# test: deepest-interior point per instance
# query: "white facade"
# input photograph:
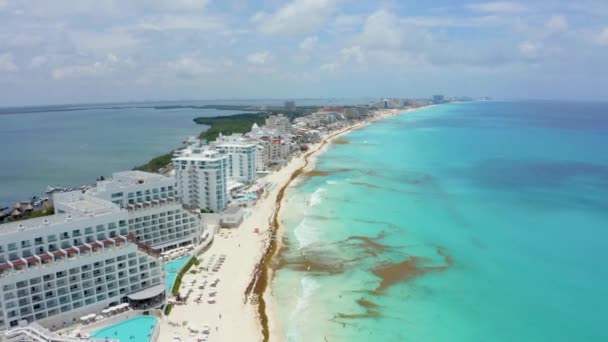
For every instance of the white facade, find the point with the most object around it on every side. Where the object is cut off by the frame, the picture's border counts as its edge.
(242, 160)
(156, 216)
(80, 260)
(279, 123)
(262, 157)
(202, 176)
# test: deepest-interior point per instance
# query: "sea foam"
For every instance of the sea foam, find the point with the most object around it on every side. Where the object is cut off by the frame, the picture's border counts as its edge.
(316, 197)
(306, 234)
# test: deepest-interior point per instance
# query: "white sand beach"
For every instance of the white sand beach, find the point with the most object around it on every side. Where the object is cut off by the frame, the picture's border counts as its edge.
(230, 318)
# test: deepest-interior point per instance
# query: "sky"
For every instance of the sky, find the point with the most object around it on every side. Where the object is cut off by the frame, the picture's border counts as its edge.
(79, 51)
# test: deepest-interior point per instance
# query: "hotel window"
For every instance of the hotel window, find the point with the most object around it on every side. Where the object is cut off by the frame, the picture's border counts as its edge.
(117, 194)
(100, 228)
(51, 238)
(88, 230)
(39, 241)
(12, 246)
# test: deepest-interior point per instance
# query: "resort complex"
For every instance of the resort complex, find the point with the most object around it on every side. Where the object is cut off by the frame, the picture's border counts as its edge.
(133, 257)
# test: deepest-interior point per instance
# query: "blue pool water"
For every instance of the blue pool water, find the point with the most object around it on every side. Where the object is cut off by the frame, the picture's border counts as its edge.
(172, 268)
(137, 329)
(467, 222)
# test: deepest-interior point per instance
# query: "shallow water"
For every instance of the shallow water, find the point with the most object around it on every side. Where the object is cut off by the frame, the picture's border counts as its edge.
(463, 222)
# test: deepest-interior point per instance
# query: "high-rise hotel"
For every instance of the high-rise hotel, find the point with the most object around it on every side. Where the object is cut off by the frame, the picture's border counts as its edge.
(155, 214)
(201, 175)
(57, 268)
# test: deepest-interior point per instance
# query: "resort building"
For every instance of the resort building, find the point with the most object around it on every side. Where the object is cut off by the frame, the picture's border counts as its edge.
(241, 160)
(80, 260)
(202, 176)
(156, 216)
(279, 123)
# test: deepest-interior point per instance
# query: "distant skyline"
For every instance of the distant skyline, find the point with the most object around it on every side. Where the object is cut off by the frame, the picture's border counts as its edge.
(87, 51)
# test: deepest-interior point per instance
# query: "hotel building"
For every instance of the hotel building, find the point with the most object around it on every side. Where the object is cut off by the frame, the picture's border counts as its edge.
(156, 216)
(57, 268)
(241, 160)
(202, 176)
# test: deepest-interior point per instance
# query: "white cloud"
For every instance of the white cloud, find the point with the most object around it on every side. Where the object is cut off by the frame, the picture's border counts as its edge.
(556, 24)
(296, 17)
(601, 38)
(38, 61)
(7, 63)
(329, 67)
(353, 53)
(346, 23)
(260, 58)
(192, 66)
(309, 43)
(497, 7)
(530, 50)
(104, 41)
(182, 22)
(381, 30)
(179, 4)
(97, 69)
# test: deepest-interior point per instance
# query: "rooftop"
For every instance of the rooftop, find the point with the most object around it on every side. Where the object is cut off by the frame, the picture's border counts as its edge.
(79, 207)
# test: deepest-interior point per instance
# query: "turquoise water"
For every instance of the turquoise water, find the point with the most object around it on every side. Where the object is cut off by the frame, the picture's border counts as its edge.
(172, 268)
(462, 222)
(137, 329)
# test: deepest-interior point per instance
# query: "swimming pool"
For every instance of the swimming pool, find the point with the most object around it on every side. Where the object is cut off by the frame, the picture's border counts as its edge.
(137, 329)
(172, 268)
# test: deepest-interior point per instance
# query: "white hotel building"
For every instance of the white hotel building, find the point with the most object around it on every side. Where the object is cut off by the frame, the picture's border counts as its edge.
(155, 215)
(242, 160)
(202, 176)
(57, 268)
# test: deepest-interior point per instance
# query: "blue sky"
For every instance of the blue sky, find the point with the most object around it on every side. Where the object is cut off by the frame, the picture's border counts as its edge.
(75, 51)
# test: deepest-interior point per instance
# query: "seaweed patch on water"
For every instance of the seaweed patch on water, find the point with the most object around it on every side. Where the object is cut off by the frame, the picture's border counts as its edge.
(370, 244)
(367, 185)
(341, 142)
(371, 311)
(407, 270)
(323, 173)
(376, 222)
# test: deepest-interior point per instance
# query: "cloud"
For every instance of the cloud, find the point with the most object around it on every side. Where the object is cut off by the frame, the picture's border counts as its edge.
(103, 42)
(38, 61)
(295, 18)
(181, 22)
(309, 43)
(259, 58)
(346, 23)
(7, 63)
(530, 50)
(329, 67)
(497, 7)
(96, 69)
(353, 53)
(190, 66)
(601, 38)
(556, 24)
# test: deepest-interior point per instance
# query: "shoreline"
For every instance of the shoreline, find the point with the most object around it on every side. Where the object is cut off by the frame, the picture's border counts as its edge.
(243, 308)
(267, 314)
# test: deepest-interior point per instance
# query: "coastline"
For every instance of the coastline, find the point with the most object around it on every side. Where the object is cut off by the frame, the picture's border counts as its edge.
(244, 304)
(269, 322)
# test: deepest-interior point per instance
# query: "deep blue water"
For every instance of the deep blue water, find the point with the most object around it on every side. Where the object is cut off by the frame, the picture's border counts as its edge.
(499, 209)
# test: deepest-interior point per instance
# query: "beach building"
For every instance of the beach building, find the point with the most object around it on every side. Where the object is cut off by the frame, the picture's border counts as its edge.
(241, 160)
(156, 215)
(279, 123)
(262, 157)
(78, 261)
(202, 176)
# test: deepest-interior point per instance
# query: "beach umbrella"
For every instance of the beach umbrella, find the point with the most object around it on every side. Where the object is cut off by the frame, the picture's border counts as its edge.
(17, 205)
(91, 316)
(16, 213)
(29, 207)
(84, 318)
(105, 311)
(98, 317)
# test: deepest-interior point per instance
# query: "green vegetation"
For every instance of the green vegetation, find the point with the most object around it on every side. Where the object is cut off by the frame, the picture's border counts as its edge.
(241, 123)
(33, 214)
(156, 164)
(228, 124)
(178, 279)
(238, 123)
(168, 309)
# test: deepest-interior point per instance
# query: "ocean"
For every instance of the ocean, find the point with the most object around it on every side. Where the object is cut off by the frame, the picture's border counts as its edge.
(72, 145)
(480, 221)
